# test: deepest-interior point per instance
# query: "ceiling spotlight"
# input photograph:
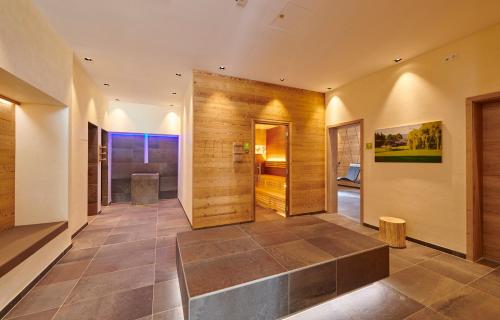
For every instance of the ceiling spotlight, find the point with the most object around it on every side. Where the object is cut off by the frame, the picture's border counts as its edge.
(117, 99)
(282, 79)
(178, 74)
(398, 60)
(222, 68)
(174, 92)
(88, 59)
(171, 105)
(107, 85)
(328, 88)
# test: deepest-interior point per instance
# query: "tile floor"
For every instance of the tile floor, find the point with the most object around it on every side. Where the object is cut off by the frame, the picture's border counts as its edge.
(349, 202)
(265, 214)
(122, 266)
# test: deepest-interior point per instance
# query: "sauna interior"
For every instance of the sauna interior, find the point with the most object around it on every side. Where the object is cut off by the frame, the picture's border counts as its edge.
(271, 171)
(249, 159)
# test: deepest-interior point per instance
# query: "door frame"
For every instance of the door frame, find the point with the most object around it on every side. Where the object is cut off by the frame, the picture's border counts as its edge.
(331, 166)
(288, 125)
(474, 148)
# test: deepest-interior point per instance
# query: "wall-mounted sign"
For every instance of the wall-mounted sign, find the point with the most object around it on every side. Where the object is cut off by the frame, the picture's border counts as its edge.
(238, 152)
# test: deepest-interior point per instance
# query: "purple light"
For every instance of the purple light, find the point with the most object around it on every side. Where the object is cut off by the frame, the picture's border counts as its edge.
(146, 148)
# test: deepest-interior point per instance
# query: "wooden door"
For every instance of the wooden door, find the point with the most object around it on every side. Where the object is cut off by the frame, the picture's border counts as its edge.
(491, 180)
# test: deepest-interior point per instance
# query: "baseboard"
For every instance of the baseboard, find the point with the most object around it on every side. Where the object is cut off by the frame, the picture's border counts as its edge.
(79, 230)
(18, 298)
(427, 244)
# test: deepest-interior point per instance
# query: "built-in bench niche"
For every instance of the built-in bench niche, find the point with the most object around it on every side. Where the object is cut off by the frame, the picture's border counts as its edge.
(24, 231)
(143, 153)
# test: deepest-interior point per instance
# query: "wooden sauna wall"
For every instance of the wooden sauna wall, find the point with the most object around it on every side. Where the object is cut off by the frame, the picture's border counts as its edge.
(223, 110)
(7, 165)
(348, 148)
(276, 149)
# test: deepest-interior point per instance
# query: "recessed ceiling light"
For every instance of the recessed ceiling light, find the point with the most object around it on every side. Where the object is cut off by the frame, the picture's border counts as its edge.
(282, 79)
(178, 74)
(88, 59)
(107, 84)
(398, 60)
(222, 68)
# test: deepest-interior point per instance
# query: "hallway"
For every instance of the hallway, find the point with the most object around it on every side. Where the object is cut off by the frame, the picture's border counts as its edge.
(122, 266)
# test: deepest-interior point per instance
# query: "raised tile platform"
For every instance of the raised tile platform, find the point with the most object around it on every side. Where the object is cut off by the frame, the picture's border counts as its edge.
(267, 270)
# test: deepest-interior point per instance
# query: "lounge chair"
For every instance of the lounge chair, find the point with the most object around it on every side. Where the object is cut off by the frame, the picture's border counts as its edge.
(352, 174)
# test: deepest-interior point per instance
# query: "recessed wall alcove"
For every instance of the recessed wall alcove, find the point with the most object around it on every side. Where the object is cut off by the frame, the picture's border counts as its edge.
(143, 153)
(33, 179)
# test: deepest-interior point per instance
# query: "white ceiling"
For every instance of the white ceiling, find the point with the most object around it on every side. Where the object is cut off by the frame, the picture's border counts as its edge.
(139, 45)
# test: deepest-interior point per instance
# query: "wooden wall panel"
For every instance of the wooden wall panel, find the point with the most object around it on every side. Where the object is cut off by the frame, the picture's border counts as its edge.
(223, 111)
(276, 143)
(348, 148)
(7, 165)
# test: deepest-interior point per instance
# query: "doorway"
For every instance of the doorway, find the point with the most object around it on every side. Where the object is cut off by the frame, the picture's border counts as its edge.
(345, 164)
(93, 172)
(483, 177)
(271, 170)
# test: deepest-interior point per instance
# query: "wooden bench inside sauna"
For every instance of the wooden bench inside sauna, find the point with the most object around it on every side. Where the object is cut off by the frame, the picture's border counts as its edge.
(270, 192)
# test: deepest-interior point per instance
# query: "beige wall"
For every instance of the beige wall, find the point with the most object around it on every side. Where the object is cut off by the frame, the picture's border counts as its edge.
(143, 118)
(41, 182)
(431, 197)
(32, 51)
(88, 105)
(185, 183)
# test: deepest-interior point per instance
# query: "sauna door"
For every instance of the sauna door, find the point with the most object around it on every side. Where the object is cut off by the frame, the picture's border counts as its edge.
(271, 170)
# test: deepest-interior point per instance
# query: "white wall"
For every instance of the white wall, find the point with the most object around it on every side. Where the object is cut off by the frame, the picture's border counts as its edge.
(185, 190)
(41, 164)
(430, 197)
(143, 118)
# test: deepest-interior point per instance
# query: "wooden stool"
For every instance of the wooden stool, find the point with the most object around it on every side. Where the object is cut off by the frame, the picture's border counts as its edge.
(392, 231)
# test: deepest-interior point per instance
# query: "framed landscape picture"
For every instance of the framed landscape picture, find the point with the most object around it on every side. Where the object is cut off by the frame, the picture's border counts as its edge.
(413, 143)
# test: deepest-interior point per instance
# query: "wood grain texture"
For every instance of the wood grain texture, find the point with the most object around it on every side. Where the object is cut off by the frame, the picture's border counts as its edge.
(7, 165)
(474, 173)
(223, 111)
(348, 148)
(392, 231)
(491, 180)
(270, 192)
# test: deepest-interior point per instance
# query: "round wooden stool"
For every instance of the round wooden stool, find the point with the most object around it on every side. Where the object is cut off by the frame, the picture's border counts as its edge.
(392, 231)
